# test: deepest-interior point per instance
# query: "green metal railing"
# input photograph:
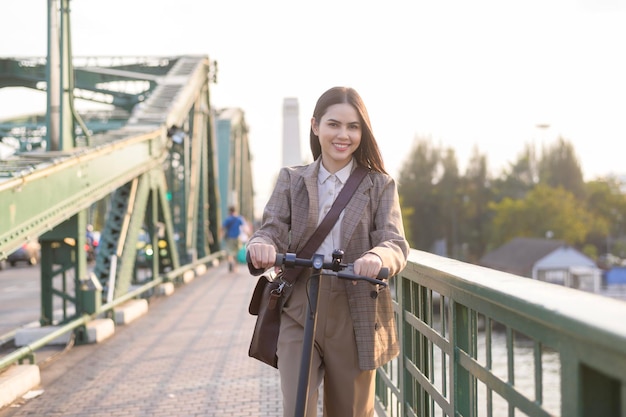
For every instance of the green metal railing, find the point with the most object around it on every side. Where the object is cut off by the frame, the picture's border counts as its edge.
(479, 342)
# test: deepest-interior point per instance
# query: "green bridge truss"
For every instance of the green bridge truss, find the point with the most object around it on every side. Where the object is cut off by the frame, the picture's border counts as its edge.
(146, 165)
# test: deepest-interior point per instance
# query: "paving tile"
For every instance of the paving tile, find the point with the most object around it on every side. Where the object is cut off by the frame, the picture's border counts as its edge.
(187, 357)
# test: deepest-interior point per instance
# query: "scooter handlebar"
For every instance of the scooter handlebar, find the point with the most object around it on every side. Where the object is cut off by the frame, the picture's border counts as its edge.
(342, 270)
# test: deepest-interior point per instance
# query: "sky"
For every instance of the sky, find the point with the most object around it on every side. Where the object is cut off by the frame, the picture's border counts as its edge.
(466, 75)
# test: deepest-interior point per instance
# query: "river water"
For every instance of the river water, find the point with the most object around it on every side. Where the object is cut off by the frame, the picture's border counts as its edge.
(523, 374)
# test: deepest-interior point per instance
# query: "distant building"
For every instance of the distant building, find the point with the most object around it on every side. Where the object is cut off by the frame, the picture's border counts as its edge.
(292, 155)
(234, 175)
(615, 276)
(615, 282)
(546, 260)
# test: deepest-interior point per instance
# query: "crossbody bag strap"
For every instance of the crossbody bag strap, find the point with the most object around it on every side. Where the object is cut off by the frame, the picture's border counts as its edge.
(329, 220)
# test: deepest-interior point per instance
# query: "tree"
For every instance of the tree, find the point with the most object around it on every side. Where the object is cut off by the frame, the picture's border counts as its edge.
(520, 178)
(407, 215)
(448, 200)
(546, 211)
(474, 203)
(417, 190)
(559, 167)
(607, 204)
(423, 186)
(473, 213)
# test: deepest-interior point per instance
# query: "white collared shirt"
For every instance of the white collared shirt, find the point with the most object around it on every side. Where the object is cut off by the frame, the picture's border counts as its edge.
(329, 185)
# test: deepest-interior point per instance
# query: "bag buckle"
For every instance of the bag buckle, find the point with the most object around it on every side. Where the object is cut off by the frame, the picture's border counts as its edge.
(278, 290)
(283, 282)
(275, 295)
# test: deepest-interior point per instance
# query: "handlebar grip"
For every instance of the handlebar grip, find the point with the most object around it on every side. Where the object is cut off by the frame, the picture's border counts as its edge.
(383, 273)
(256, 272)
(253, 271)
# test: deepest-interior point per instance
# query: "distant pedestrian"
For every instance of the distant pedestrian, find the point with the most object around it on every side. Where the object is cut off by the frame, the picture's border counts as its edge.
(231, 230)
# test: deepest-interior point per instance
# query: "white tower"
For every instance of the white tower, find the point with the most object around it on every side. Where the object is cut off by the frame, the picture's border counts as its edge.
(291, 132)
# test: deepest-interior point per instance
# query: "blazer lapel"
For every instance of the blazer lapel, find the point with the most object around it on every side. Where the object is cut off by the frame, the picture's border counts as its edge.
(305, 193)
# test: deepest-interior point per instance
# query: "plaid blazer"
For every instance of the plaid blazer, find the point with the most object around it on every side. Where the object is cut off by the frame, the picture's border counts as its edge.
(371, 222)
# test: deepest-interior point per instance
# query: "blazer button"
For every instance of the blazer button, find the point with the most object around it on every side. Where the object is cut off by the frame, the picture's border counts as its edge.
(374, 294)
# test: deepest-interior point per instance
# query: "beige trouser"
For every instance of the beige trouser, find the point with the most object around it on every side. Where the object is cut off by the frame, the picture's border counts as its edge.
(348, 391)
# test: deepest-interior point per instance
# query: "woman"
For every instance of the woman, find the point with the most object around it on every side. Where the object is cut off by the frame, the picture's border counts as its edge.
(355, 330)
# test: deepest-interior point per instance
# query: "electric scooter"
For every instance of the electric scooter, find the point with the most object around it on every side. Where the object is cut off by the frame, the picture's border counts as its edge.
(334, 268)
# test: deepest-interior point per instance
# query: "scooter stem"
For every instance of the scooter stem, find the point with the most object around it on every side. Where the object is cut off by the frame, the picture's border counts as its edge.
(308, 343)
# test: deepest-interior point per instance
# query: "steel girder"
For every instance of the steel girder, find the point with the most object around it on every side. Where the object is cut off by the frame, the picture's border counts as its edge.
(143, 176)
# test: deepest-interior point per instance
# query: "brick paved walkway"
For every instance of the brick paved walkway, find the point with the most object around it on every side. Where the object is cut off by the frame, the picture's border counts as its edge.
(186, 357)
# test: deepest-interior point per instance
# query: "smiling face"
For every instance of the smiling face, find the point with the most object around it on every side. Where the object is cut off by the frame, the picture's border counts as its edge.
(339, 133)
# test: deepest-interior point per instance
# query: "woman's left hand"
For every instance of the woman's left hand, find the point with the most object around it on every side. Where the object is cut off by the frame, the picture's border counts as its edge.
(368, 265)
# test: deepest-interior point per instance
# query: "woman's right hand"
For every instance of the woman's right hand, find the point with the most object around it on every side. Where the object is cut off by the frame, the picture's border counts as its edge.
(262, 255)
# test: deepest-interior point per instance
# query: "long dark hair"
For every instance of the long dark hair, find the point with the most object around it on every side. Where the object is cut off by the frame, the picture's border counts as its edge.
(367, 154)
